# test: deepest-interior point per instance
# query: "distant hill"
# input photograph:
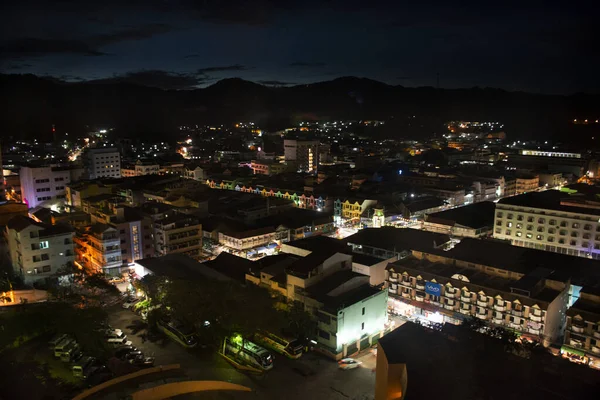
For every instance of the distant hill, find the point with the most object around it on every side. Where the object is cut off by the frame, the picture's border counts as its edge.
(31, 104)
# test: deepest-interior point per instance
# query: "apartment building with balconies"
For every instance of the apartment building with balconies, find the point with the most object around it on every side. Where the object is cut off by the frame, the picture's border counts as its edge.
(39, 251)
(562, 222)
(440, 292)
(582, 333)
(99, 249)
(178, 234)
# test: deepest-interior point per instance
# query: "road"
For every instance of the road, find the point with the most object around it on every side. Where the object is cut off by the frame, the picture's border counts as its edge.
(311, 377)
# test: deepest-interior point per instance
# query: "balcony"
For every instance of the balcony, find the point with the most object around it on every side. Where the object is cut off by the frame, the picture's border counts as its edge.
(535, 318)
(449, 307)
(595, 349)
(420, 286)
(419, 298)
(405, 283)
(498, 321)
(406, 295)
(534, 331)
(393, 280)
(465, 299)
(482, 316)
(597, 334)
(393, 291)
(465, 311)
(577, 328)
(517, 313)
(514, 326)
(499, 307)
(482, 303)
(449, 295)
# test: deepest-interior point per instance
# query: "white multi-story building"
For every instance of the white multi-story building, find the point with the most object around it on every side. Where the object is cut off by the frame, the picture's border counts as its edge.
(103, 162)
(551, 220)
(42, 184)
(301, 154)
(37, 250)
(178, 233)
(140, 168)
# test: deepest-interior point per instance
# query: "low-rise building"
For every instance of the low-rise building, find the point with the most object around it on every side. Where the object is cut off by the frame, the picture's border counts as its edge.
(178, 234)
(39, 251)
(473, 220)
(268, 167)
(582, 333)
(523, 289)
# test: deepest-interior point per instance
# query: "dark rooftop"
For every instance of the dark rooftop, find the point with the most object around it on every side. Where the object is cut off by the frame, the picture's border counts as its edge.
(324, 291)
(398, 239)
(179, 266)
(231, 265)
(503, 255)
(554, 200)
(364, 259)
(315, 243)
(477, 215)
(486, 371)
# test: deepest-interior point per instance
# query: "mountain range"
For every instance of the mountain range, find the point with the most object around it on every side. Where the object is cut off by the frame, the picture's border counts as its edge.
(32, 104)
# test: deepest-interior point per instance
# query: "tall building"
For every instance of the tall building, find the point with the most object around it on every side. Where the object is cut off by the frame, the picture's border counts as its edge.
(99, 249)
(39, 251)
(41, 184)
(103, 162)
(562, 222)
(302, 155)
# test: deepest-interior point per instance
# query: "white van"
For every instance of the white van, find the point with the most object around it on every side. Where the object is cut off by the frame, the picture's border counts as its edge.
(116, 342)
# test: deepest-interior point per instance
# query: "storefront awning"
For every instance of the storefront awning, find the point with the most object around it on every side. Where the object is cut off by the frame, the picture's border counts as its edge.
(571, 350)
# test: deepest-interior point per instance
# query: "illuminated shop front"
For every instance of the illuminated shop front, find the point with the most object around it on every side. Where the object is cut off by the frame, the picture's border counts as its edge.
(414, 310)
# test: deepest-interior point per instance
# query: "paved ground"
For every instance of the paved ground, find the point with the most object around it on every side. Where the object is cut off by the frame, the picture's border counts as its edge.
(311, 377)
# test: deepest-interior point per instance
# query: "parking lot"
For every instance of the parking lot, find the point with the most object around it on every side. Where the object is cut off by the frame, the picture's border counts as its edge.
(312, 376)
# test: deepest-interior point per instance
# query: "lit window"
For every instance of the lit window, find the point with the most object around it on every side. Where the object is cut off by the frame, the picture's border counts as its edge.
(44, 244)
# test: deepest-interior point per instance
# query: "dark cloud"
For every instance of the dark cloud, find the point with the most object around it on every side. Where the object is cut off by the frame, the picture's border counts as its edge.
(225, 68)
(36, 47)
(132, 33)
(26, 47)
(192, 56)
(20, 66)
(276, 83)
(159, 79)
(307, 64)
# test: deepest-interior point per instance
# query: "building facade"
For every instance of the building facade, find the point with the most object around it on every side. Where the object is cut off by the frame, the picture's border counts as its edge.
(550, 221)
(43, 184)
(99, 249)
(39, 251)
(582, 334)
(302, 155)
(103, 162)
(178, 234)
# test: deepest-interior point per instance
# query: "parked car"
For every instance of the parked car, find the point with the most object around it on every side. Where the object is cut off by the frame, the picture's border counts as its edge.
(142, 362)
(80, 366)
(349, 363)
(57, 339)
(124, 350)
(115, 334)
(130, 303)
(116, 279)
(119, 342)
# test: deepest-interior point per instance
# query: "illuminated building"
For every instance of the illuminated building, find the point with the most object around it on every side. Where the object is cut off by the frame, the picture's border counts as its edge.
(268, 167)
(582, 335)
(99, 249)
(523, 289)
(103, 162)
(39, 251)
(552, 220)
(301, 154)
(43, 184)
(178, 233)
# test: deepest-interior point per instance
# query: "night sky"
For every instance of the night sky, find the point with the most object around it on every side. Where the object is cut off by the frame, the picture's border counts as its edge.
(181, 44)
